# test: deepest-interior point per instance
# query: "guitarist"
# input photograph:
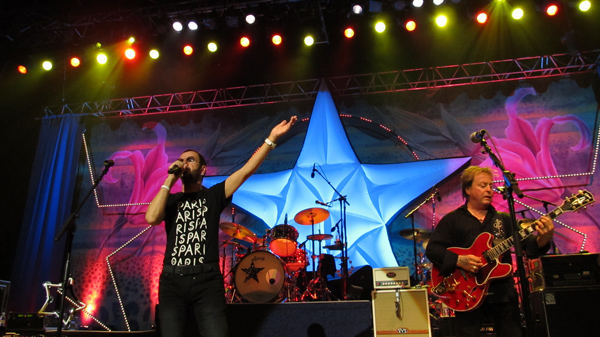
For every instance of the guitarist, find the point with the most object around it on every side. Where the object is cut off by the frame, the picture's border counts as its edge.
(460, 228)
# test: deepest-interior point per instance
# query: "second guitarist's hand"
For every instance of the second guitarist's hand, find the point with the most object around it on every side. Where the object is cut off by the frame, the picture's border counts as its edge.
(470, 263)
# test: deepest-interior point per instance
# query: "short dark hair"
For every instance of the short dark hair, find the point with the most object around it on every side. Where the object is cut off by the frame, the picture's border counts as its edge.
(202, 160)
(468, 175)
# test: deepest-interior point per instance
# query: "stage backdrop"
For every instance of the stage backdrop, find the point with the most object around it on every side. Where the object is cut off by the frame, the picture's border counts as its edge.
(387, 154)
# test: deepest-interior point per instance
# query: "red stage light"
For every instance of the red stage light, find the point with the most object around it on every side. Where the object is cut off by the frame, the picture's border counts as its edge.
(349, 32)
(411, 25)
(552, 10)
(244, 42)
(22, 69)
(75, 62)
(276, 39)
(188, 50)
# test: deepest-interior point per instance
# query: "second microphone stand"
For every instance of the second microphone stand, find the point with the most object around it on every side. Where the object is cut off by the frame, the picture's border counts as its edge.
(342, 230)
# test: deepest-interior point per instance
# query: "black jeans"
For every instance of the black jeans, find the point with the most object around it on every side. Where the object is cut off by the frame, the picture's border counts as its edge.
(506, 318)
(201, 294)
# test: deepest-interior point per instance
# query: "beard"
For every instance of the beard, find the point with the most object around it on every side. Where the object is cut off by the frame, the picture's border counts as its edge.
(188, 178)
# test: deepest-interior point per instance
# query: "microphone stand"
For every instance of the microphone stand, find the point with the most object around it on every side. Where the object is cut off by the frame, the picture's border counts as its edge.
(512, 186)
(69, 227)
(343, 235)
(411, 214)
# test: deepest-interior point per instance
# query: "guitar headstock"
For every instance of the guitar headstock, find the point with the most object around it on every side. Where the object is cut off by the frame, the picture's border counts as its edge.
(576, 201)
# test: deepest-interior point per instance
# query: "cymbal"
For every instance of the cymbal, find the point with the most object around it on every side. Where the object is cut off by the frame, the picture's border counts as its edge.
(311, 216)
(320, 237)
(337, 246)
(238, 231)
(419, 234)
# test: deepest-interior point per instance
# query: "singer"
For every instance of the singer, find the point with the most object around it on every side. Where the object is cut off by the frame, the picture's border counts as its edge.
(191, 281)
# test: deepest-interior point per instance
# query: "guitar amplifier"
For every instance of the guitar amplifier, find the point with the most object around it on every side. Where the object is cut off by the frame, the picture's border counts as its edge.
(568, 270)
(391, 278)
(401, 312)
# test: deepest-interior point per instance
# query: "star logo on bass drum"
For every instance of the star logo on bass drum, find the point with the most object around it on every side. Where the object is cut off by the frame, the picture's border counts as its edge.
(252, 272)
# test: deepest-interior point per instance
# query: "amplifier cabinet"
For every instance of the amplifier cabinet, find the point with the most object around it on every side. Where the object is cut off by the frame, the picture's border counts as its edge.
(566, 312)
(401, 312)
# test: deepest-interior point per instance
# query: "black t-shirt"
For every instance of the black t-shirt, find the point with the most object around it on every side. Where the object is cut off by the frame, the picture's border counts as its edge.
(192, 226)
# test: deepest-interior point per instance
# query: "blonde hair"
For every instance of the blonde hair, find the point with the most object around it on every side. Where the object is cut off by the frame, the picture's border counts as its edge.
(468, 175)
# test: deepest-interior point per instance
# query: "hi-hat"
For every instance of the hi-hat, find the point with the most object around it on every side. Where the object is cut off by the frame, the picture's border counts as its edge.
(337, 246)
(311, 216)
(320, 237)
(238, 231)
(418, 234)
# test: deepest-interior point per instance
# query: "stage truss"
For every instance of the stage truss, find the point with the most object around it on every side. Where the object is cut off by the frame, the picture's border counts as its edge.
(526, 68)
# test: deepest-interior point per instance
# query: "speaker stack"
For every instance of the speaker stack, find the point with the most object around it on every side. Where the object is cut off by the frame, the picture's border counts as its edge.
(397, 308)
(566, 293)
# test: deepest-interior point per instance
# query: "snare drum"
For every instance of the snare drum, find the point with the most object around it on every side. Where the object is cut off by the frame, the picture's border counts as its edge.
(259, 277)
(283, 240)
(297, 261)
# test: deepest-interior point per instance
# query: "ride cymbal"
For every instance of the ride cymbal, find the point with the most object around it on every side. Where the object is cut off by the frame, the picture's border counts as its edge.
(418, 234)
(311, 216)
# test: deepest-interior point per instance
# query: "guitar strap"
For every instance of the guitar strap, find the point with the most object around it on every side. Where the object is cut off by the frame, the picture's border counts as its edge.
(498, 228)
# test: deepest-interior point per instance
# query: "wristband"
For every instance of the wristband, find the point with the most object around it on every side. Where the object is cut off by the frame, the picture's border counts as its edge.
(166, 187)
(270, 143)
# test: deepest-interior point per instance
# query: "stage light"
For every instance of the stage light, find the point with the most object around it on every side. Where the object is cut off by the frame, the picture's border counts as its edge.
(417, 3)
(192, 25)
(212, 47)
(47, 65)
(75, 62)
(250, 19)
(101, 58)
(585, 6)
(438, 2)
(410, 25)
(276, 39)
(188, 50)
(309, 40)
(441, 20)
(22, 69)
(482, 17)
(349, 32)
(154, 54)
(552, 10)
(380, 27)
(177, 26)
(244, 42)
(517, 13)
(357, 9)
(130, 53)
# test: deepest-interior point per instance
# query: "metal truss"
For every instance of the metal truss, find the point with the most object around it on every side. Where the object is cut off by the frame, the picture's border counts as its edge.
(559, 65)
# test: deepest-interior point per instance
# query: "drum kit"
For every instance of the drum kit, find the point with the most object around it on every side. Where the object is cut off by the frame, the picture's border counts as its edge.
(274, 267)
(421, 237)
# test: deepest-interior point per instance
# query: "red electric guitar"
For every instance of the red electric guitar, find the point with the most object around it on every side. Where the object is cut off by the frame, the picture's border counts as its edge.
(465, 291)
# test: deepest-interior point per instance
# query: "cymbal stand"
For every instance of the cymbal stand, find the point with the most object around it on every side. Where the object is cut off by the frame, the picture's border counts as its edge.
(411, 214)
(343, 235)
(317, 287)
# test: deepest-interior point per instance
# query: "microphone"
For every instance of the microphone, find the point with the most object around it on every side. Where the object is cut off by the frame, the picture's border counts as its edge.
(477, 136)
(322, 203)
(109, 163)
(312, 174)
(174, 169)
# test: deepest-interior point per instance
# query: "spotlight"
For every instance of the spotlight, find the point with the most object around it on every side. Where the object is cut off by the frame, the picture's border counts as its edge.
(482, 17)
(131, 40)
(517, 13)
(192, 25)
(417, 3)
(250, 19)
(309, 40)
(188, 50)
(101, 58)
(441, 20)
(410, 25)
(552, 10)
(585, 6)
(380, 27)
(349, 32)
(438, 2)
(177, 26)
(154, 54)
(212, 47)
(130, 53)
(22, 69)
(357, 9)
(47, 65)
(276, 39)
(244, 42)
(75, 62)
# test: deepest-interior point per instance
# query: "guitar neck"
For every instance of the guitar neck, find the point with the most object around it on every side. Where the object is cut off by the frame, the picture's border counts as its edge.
(524, 233)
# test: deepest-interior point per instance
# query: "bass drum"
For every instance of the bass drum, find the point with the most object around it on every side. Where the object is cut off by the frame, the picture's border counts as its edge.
(259, 277)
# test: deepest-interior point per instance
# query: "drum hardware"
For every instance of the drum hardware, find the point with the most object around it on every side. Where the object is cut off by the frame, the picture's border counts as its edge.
(312, 216)
(336, 246)
(317, 287)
